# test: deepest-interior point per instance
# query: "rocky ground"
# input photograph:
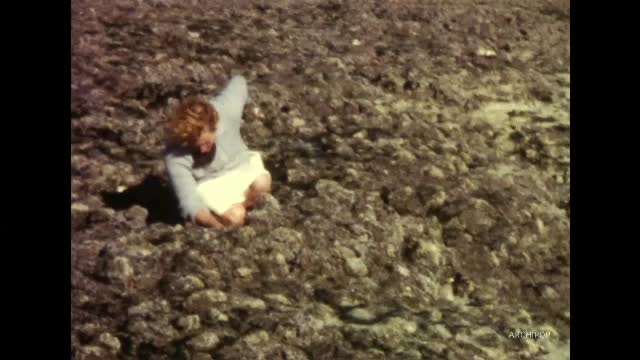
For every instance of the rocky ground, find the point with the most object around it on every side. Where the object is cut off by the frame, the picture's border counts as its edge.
(420, 155)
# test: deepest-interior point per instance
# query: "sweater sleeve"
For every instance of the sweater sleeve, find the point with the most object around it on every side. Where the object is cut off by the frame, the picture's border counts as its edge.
(233, 99)
(184, 185)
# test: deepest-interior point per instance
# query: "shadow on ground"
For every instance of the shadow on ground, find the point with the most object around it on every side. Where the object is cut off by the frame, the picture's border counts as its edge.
(154, 194)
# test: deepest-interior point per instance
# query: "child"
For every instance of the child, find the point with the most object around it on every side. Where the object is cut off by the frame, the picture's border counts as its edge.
(214, 175)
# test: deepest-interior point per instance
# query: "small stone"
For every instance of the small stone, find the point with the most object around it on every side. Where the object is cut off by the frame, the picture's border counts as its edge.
(120, 270)
(217, 315)
(201, 356)
(210, 276)
(403, 325)
(362, 314)
(486, 295)
(250, 303)
(121, 188)
(246, 233)
(446, 292)
(442, 331)
(79, 214)
(436, 173)
(257, 112)
(257, 338)
(403, 271)
(347, 301)
(279, 298)
(244, 271)
(280, 259)
(79, 207)
(357, 267)
(345, 252)
(203, 300)
(531, 154)
(485, 52)
(431, 251)
(109, 169)
(298, 122)
(540, 226)
(189, 322)
(194, 35)
(436, 315)
(109, 341)
(356, 42)
(438, 200)
(205, 341)
(90, 353)
(405, 155)
(550, 293)
(137, 212)
(149, 308)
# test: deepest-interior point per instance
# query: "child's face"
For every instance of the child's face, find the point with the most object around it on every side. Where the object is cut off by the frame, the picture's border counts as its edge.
(206, 141)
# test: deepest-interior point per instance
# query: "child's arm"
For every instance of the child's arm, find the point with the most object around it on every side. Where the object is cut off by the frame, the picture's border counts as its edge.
(184, 185)
(232, 100)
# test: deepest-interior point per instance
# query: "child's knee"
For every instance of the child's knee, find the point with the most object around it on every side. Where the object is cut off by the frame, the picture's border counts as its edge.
(236, 215)
(262, 184)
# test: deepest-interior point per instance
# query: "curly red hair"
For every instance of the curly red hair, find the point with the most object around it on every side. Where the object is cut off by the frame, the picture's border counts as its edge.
(189, 119)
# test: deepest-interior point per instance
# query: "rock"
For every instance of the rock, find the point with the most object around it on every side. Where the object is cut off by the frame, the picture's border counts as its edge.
(437, 200)
(301, 176)
(202, 301)
(79, 214)
(278, 298)
(446, 293)
(157, 332)
(189, 323)
(150, 308)
(485, 52)
(485, 294)
(247, 302)
(357, 266)
(347, 301)
(205, 341)
(137, 215)
(331, 190)
(201, 356)
(403, 271)
(91, 353)
(244, 272)
(436, 173)
(431, 252)
(101, 215)
(442, 332)
(393, 333)
(479, 217)
(216, 315)
(186, 284)
(256, 338)
(550, 293)
(362, 314)
(298, 122)
(345, 252)
(110, 342)
(405, 200)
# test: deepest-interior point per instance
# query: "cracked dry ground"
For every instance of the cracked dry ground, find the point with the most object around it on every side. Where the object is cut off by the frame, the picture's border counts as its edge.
(420, 154)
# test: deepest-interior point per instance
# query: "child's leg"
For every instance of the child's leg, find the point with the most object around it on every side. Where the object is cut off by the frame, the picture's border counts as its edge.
(234, 217)
(260, 186)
